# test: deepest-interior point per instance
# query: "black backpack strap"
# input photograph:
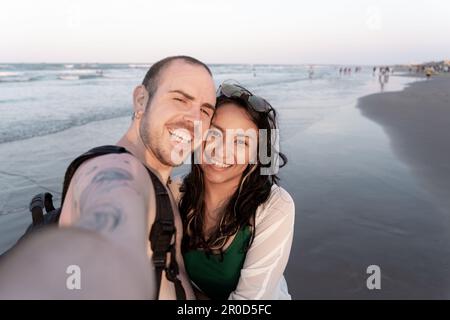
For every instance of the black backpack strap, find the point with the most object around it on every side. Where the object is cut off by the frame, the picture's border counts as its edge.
(161, 235)
(95, 152)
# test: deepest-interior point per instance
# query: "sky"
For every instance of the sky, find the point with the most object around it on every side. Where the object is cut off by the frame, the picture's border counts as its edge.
(232, 31)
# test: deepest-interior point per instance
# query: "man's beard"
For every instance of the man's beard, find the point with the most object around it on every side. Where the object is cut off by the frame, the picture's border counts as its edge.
(153, 143)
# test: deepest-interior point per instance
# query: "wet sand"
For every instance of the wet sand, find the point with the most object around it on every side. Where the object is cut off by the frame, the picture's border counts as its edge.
(418, 122)
(374, 192)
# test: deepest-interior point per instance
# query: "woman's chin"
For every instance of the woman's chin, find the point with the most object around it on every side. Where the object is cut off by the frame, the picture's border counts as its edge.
(216, 174)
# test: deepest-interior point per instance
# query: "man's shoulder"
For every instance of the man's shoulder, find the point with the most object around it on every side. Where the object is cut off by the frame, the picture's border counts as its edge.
(109, 167)
(110, 161)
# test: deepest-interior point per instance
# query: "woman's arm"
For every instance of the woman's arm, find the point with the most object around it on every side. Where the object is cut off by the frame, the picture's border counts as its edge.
(268, 255)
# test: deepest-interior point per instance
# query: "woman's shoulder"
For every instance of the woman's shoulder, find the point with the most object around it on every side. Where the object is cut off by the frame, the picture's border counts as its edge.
(279, 201)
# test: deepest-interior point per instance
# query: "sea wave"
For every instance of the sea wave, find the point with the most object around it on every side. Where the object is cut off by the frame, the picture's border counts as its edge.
(19, 79)
(80, 74)
(139, 66)
(8, 74)
(43, 127)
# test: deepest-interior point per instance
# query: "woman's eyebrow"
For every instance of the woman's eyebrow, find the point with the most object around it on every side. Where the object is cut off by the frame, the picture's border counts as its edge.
(217, 127)
(238, 134)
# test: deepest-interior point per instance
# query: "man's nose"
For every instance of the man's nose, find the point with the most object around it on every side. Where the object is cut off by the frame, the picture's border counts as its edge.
(193, 114)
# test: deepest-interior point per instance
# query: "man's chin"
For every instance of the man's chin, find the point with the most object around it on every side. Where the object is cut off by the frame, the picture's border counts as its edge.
(178, 157)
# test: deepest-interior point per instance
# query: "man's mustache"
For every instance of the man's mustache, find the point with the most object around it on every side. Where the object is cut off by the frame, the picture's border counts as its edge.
(188, 126)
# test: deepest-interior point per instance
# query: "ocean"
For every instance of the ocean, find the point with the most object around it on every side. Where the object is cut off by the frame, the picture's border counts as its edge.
(40, 99)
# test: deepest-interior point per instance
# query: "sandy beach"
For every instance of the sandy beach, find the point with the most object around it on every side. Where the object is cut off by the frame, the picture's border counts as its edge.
(371, 185)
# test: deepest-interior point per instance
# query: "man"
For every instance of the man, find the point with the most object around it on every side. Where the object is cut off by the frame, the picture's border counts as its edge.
(109, 207)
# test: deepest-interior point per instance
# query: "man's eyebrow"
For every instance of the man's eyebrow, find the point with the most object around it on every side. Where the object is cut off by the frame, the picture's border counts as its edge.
(189, 97)
(209, 106)
(186, 95)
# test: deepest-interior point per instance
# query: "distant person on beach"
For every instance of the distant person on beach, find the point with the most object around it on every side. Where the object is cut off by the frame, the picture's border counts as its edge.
(310, 72)
(109, 207)
(386, 73)
(382, 77)
(238, 222)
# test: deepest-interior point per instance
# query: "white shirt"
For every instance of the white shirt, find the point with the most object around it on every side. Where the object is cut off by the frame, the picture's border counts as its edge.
(266, 259)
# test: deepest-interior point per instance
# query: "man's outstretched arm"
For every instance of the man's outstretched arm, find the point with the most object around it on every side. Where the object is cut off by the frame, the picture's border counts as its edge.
(104, 232)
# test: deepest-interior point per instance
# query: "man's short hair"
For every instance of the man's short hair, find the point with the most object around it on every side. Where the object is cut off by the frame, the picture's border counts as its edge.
(153, 75)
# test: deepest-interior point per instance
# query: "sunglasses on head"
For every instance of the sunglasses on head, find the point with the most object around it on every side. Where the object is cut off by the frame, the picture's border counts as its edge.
(235, 91)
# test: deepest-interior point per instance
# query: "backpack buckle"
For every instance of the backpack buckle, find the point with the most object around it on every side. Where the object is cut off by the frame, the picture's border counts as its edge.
(159, 260)
(167, 226)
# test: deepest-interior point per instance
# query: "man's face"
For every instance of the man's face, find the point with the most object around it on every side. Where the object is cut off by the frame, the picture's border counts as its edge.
(185, 95)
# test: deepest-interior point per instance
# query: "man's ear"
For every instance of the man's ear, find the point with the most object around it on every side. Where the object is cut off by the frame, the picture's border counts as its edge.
(140, 97)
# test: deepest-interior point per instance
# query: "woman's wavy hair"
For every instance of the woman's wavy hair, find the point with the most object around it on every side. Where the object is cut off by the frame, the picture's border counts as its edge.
(240, 209)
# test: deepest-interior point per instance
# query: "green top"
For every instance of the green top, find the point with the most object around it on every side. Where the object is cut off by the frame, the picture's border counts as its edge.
(215, 277)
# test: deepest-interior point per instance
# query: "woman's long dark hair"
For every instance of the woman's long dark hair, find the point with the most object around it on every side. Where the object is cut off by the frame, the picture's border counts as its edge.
(240, 209)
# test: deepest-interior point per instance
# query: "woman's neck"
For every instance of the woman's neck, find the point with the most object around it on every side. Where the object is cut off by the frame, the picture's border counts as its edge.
(216, 194)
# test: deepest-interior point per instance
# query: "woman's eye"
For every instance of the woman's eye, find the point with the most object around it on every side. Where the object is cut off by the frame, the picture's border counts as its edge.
(213, 133)
(241, 142)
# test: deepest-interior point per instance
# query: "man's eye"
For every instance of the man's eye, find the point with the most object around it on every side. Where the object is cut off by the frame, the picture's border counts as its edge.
(206, 112)
(178, 99)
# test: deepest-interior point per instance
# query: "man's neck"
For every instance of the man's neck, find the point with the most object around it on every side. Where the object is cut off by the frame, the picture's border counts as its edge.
(147, 157)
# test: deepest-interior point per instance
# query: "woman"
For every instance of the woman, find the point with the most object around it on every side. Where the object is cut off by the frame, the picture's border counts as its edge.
(238, 223)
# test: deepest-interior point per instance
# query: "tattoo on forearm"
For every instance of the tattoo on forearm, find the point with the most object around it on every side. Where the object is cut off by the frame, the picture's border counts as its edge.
(112, 174)
(104, 217)
(95, 212)
(109, 179)
(91, 170)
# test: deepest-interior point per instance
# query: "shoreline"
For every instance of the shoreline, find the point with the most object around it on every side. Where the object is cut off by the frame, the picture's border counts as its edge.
(417, 120)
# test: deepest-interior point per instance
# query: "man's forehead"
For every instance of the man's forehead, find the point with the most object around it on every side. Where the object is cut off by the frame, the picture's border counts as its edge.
(192, 79)
(182, 70)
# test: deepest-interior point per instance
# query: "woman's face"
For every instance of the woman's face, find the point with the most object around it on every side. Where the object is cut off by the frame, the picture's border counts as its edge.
(231, 145)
